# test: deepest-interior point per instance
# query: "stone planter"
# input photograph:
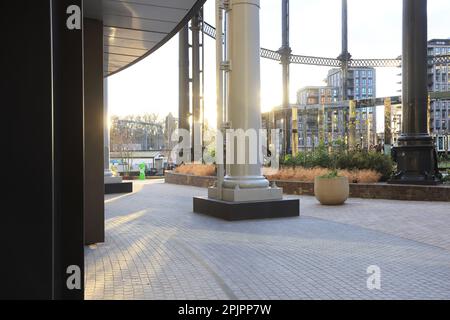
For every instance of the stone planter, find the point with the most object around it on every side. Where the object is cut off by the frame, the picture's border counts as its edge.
(331, 191)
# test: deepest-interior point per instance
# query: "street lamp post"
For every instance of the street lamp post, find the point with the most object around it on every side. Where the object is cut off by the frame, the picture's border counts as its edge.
(415, 154)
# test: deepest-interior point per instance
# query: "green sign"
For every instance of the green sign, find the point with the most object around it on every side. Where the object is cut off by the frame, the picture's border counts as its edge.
(142, 171)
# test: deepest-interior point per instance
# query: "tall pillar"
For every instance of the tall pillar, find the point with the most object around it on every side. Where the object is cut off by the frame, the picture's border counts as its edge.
(183, 79)
(42, 83)
(352, 125)
(244, 81)
(94, 126)
(294, 143)
(345, 55)
(106, 133)
(219, 95)
(387, 125)
(196, 152)
(285, 52)
(415, 155)
(246, 194)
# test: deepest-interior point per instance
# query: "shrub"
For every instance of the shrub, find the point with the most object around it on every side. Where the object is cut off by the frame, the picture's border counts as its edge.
(446, 178)
(366, 160)
(361, 176)
(308, 174)
(342, 159)
(331, 175)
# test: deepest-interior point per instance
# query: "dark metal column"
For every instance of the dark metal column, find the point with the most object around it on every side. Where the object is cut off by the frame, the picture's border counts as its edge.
(196, 103)
(26, 85)
(42, 85)
(68, 135)
(94, 231)
(345, 55)
(285, 52)
(415, 155)
(183, 100)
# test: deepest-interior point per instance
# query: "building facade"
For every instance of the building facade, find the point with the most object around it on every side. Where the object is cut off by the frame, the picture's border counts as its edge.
(439, 81)
(324, 116)
(361, 83)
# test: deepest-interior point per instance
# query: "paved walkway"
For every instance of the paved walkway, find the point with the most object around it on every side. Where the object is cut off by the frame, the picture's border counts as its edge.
(156, 248)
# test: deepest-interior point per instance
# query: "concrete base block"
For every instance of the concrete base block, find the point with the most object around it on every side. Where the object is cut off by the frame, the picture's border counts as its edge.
(247, 195)
(121, 187)
(112, 179)
(233, 211)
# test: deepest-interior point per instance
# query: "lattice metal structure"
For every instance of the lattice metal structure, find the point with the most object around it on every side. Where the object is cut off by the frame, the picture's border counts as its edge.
(275, 55)
(375, 63)
(441, 59)
(270, 54)
(209, 30)
(316, 61)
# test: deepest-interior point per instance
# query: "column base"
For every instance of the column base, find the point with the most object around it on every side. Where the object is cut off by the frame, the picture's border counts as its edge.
(234, 211)
(416, 163)
(247, 195)
(123, 187)
(112, 179)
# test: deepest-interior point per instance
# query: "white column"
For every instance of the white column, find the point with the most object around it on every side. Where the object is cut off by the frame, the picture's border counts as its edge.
(106, 138)
(244, 182)
(219, 94)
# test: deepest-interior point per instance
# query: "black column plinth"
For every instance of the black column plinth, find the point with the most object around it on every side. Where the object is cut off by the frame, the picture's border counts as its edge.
(416, 162)
(234, 211)
(116, 188)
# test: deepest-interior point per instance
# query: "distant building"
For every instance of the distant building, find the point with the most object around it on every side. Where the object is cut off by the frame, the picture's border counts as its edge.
(439, 81)
(361, 83)
(317, 95)
(316, 111)
(322, 115)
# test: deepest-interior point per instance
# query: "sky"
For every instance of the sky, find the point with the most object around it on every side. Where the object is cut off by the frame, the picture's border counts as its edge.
(375, 30)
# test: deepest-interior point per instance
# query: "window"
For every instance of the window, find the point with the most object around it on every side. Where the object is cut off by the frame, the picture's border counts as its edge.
(357, 73)
(364, 82)
(363, 73)
(363, 91)
(369, 74)
(370, 82)
(370, 91)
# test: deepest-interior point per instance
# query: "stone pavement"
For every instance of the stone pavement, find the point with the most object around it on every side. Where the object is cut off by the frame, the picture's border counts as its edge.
(157, 248)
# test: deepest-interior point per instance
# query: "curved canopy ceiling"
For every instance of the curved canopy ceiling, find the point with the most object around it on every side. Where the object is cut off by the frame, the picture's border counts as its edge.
(133, 29)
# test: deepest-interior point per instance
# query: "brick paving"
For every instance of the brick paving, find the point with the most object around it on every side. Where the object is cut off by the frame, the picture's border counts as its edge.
(157, 248)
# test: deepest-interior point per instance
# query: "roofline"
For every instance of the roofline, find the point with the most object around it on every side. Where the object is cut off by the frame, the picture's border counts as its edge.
(447, 41)
(169, 36)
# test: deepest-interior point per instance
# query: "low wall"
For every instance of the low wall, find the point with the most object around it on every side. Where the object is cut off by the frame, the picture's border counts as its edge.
(357, 190)
(189, 180)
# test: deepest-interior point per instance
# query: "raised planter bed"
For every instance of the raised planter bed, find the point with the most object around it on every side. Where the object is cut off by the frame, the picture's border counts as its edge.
(357, 190)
